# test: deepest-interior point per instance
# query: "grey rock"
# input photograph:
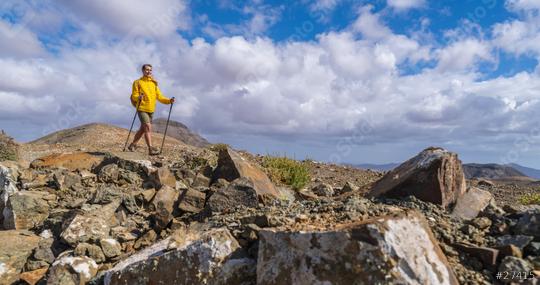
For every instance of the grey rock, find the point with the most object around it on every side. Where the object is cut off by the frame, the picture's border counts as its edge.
(191, 200)
(471, 203)
(163, 206)
(529, 223)
(111, 247)
(239, 192)
(323, 189)
(513, 265)
(90, 250)
(27, 209)
(520, 241)
(397, 249)
(72, 270)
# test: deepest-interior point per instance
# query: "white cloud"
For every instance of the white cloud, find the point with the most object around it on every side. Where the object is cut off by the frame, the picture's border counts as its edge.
(17, 41)
(406, 4)
(154, 18)
(463, 55)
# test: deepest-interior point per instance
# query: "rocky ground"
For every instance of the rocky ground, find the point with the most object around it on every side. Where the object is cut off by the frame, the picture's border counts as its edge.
(76, 210)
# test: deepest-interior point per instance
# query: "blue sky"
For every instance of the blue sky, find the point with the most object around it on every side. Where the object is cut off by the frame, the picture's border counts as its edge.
(332, 80)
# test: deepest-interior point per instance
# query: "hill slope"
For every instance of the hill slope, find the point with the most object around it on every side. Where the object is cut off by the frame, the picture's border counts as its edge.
(531, 172)
(492, 171)
(180, 132)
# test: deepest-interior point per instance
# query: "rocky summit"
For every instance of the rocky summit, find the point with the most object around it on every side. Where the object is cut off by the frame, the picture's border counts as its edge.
(80, 211)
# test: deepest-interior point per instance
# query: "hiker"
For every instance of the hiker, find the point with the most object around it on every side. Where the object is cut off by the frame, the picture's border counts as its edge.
(144, 94)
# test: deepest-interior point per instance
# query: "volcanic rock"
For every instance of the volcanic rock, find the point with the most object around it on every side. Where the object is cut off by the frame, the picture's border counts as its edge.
(435, 175)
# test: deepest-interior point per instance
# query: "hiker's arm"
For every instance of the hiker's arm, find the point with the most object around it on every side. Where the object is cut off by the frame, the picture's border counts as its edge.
(162, 98)
(135, 92)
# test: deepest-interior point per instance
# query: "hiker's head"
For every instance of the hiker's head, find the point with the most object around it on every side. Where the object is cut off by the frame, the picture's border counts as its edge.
(146, 69)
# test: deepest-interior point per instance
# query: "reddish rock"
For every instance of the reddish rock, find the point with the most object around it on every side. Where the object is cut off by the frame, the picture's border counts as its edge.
(71, 161)
(488, 256)
(33, 277)
(232, 165)
(398, 249)
(435, 175)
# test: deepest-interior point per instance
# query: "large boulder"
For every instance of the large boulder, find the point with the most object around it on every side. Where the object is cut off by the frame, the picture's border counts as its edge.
(70, 161)
(398, 249)
(189, 257)
(471, 203)
(232, 165)
(27, 210)
(90, 226)
(435, 175)
(15, 248)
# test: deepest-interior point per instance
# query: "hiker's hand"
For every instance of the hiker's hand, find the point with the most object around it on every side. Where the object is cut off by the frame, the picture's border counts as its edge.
(172, 100)
(141, 97)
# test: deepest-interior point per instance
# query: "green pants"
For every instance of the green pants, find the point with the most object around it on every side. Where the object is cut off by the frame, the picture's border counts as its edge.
(145, 117)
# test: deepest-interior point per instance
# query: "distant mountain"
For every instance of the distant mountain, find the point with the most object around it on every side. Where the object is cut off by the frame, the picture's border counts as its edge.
(180, 132)
(492, 171)
(379, 167)
(531, 172)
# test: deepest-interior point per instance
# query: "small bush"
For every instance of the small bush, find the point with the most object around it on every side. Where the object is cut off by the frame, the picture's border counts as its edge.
(8, 148)
(530, 199)
(218, 146)
(287, 171)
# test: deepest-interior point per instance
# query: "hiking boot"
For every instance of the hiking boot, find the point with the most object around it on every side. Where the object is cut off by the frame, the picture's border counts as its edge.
(132, 147)
(153, 151)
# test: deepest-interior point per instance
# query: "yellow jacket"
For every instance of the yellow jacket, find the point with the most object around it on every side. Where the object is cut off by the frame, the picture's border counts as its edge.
(149, 87)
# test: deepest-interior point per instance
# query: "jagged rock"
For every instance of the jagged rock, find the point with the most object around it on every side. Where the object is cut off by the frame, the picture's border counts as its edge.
(509, 250)
(64, 180)
(109, 173)
(471, 203)
(520, 241)
(147, 195)
(394, 249)
(533, 249)
(34, 276)
(163, 205)
(191, 201)
(239, 192)
(27, 210)
(201, 180)
(72, 270)
(513, 265)
(529, 223)
(15, 248)
(163, 176)
(145, 240)
(435, 175)
(481, 223)
(488, 256)
(44, 251)
(90, 250)
(190, 258)
(232, 166)
(349, 187)
(89, 226)
(70, 161)
(111, 247)
(106, 194)
(323, 189)
(7, 188)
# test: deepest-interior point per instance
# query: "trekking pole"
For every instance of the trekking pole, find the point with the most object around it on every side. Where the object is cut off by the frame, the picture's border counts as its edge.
(166, 127)
(132, 123)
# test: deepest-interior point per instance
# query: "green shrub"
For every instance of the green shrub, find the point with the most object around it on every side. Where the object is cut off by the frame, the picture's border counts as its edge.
(530, 199)
(287, 171)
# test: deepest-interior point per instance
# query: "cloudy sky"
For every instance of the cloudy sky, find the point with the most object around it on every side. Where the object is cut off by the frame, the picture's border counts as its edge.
(332, 80)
